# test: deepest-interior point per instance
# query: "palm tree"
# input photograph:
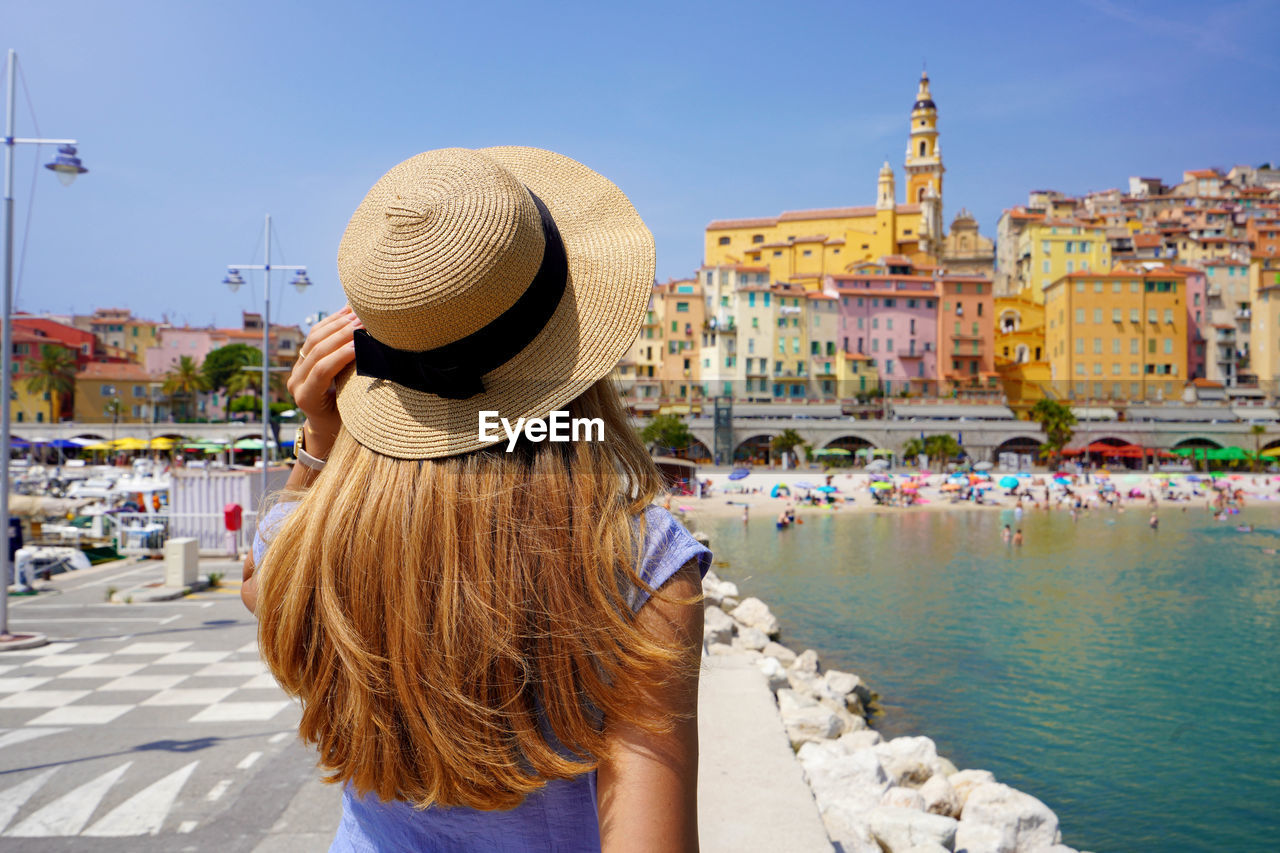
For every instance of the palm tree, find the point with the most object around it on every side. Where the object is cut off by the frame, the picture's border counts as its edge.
(786, 441)
(941, 448)
(184, 381)
(1056, 421)
(54, 372)
(1258, 430)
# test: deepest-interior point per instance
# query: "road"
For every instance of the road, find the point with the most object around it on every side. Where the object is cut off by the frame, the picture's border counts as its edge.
(150, 726)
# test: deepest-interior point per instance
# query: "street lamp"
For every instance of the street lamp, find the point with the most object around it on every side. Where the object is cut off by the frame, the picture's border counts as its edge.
(234, 281)
(67, 167)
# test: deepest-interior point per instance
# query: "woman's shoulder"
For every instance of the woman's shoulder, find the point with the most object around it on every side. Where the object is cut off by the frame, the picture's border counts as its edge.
(667, 547)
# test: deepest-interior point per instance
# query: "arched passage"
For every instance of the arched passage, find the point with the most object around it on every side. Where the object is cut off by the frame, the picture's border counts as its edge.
(1010, 320)
(755, 450)
(1201, 441)
(851, 444)
(1019, 452)
(694, 451)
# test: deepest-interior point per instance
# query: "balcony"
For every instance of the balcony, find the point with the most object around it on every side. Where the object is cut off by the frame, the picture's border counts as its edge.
(713, 325)
(1243, 313)
(963, 337)
(910, 354)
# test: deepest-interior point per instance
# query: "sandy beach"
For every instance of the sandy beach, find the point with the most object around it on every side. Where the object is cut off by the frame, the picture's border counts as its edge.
(728, 498)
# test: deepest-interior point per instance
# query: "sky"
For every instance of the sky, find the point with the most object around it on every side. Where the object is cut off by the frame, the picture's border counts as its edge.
(196, 119)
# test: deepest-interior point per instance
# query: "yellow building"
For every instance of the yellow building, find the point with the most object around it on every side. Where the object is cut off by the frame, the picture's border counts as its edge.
(99, 383)
(856, 375)
(1020, 351)
(1264, 287)
(1051, 248)
(805, 245)
(1120, 335)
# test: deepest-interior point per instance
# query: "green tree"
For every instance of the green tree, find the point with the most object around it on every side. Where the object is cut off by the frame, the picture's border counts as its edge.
(1056, 422)
(54, 372)
(786, 441)
(914, 449)
(1257, 430)
(941, 448)
(221, 364)
(183, 382)
(666, 433)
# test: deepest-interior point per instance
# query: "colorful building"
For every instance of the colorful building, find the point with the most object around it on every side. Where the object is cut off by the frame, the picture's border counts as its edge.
(824, 332)
(1051, 248)
(681, 309)
(805, 246)
(893, 321)
(966, 335)
(138, 393)
(1019, 345)
(1119, 335)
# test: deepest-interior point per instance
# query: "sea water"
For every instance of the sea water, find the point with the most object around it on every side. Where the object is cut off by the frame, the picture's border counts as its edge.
(1127, 677)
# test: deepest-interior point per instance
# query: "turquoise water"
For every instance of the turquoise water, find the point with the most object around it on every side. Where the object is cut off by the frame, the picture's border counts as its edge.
(1128, 678)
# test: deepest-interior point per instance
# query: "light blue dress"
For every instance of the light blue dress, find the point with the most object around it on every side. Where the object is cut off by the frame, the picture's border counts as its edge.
(562, 815)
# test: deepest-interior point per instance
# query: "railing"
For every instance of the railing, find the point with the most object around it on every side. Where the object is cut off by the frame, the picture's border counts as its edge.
(207, 528)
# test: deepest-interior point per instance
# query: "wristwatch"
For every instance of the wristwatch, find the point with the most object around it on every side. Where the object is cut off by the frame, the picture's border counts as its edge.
(300, 452)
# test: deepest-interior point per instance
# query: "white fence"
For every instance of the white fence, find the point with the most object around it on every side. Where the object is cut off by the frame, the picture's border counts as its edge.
(207, 528)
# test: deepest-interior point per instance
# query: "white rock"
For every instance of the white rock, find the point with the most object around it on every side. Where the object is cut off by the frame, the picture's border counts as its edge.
(790, 700)
(728, 589)
(818, 751)
(751, 639)
(855, 740)
(848, 721)
(730, 601)
(754, 613)
(804, 682)
(1029, 823)
(807, 662)
(966, 780)
(926, 847)
(847, 827)
(721, 649)
(901, 829)
(841, 683)
(903, 798)
(943, 767)
(806, 724)
(908, 760)
(856, 780)
(785, 656)
(717, 627)
(981, 838)
(773, 672)
(939, 797)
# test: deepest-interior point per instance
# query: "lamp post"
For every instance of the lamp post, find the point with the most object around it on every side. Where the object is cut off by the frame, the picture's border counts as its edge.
(67, 167)
(234, 281)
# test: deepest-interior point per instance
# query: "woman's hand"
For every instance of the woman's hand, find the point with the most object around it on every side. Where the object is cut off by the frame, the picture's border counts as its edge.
(326, 351)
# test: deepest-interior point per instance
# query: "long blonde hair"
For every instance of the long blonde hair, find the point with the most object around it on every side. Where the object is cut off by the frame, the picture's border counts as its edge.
(456, 628)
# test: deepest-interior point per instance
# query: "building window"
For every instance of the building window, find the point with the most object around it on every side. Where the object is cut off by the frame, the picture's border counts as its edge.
(757, 238)
(724, 241)
(1079, 315)
(777, 253)
(1168, 315)
(682, 307)
(1097, 346)
(1168, 346)
(1079, 346)
(1097, 315)
(1133, 346)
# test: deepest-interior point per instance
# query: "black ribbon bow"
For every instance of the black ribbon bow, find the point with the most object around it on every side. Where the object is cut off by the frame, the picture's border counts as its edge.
(454, 371)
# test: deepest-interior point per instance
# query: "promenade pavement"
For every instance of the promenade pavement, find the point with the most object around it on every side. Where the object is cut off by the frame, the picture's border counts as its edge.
(155, 727)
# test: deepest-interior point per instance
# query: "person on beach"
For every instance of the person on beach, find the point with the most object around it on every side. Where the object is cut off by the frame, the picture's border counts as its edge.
(746, 513)
(1006, 535)
(1017, 538)
(1154, 521)
(495, 641)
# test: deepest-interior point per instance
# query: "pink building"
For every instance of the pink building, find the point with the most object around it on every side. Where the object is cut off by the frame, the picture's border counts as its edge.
(1197, 320)
(893, 320)
(177, 342)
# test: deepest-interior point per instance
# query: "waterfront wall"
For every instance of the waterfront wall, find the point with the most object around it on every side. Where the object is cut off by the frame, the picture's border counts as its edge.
(874, 795)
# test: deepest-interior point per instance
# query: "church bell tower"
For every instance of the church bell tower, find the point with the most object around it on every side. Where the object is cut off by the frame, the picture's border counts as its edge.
(924, 156)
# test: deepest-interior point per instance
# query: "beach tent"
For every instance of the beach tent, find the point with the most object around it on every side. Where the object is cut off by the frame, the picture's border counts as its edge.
(831, 451)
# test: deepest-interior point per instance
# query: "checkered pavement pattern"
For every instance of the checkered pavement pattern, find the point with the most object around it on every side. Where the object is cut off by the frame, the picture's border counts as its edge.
(61, 684)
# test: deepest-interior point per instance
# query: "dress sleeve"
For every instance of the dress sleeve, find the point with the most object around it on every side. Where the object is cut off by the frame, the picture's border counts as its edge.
(268, 527)
(667, 547)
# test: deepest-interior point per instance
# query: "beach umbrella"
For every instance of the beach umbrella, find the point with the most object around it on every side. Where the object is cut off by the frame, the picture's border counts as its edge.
(739, 473)
(805, 484)
(950, 487)
(1061, 481)
(14, 441)
(163, 443)
(1023, 475)
(99, 445)
(983, 486)
(1195, 478)
(1009, 482)
(248, 444)
(831, 451)
(875, 487)
(829, 489)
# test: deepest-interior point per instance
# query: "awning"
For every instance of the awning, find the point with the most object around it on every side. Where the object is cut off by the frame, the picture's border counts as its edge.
(1094, 413)
(952, 412)
(781, 410)
(1256, 414)
(1202, 414)
(1242, 391)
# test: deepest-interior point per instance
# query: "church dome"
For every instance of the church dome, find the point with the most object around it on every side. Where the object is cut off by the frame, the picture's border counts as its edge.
(926, 104)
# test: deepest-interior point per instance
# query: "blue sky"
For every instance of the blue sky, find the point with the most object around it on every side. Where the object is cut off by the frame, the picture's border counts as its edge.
(197, 118)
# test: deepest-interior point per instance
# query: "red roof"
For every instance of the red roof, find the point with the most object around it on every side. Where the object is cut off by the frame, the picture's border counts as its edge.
(759, 222)
(129, 371)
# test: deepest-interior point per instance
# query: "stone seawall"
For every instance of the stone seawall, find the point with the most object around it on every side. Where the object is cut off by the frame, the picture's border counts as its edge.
(874, 795)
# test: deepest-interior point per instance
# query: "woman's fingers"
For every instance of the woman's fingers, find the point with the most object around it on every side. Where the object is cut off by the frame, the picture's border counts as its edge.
(314, 391)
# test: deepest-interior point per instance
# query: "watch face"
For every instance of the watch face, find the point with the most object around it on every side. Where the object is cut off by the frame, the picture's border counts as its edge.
(297, 442)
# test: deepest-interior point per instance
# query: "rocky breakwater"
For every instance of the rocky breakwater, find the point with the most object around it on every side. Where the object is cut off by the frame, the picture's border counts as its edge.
(875, 795)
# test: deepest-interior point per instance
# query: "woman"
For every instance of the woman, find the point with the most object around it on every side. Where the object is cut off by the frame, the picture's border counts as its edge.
(494, 637)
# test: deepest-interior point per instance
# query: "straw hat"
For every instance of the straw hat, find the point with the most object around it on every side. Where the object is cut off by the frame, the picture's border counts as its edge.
(453, 264)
